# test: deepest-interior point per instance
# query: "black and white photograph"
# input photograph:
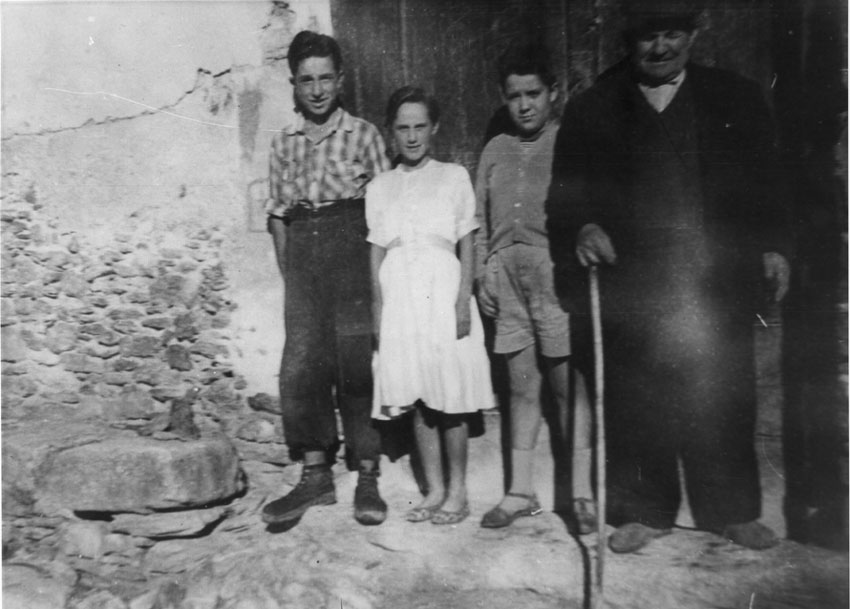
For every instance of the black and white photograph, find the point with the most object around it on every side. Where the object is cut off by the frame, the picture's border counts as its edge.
(424, 304)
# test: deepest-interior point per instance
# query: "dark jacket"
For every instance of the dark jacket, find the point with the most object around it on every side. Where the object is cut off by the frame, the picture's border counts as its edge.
(744, 210)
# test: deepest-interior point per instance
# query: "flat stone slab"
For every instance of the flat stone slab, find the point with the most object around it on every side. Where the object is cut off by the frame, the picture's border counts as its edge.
(136, 474)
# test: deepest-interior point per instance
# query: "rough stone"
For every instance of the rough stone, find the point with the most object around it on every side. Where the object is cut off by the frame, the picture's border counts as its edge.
(45, 358)
(184, 523)
(263, 402)
(73, 284)
(97, 350)
(140, 474)
(126, 271)
(84, 539)
(257, 430)
(157, 323)
(169, 289)
(168, 392)
(26, 270)
(95, 271)
(138, 297)
(12, 346)
(132, 403)
(62, 397)
(125, 326)
(221, 392)
(61, 337)
(25, 306)
(122, 364)
(33, 340)
(179, 555)
(178, 357)
(208, 349)
(118, 543)
(110, 338)
(7, 311)
(116, 378)
(78, 362)
(185, 327)
(30, 587)
(125, 313)
(140, 346)
(93, 329)
(102, 599)
(155, 373)
(20, 385)
(275, 453)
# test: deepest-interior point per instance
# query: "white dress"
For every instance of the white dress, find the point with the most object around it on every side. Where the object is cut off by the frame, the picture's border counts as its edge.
(419, 216)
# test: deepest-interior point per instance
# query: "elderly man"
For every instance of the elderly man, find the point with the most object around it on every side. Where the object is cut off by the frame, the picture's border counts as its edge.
(664, 174)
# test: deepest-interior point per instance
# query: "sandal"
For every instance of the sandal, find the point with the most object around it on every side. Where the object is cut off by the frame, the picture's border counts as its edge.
(421, 514)
(498, 518)
(442, 516)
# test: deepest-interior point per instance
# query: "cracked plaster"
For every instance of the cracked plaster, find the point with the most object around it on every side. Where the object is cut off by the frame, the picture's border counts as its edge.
(154, 116)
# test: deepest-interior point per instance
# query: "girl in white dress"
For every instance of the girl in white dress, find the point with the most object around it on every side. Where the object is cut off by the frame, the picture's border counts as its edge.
(431, 355)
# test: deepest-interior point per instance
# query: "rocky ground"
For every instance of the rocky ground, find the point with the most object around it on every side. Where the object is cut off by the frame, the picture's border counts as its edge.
(328, 561)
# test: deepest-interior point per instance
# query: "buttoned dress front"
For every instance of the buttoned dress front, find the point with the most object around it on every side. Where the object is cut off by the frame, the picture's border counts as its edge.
(419, 216)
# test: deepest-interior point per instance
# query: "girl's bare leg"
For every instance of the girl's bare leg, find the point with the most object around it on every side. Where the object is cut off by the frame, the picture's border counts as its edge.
(428, 445)
(456, 438)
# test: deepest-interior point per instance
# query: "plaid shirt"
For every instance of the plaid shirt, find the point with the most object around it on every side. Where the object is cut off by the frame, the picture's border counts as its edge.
(318, 173)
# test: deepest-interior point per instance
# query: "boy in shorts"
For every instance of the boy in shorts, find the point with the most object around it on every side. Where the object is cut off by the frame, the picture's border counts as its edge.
(515, 283)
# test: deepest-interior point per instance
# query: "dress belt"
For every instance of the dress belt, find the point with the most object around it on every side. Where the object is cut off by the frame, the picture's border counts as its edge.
(425, 239)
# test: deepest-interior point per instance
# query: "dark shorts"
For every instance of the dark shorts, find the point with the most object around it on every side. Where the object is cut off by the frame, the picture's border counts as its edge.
(519, 279)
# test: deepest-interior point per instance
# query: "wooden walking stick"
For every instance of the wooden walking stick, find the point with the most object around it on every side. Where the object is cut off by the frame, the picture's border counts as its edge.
(599, 414)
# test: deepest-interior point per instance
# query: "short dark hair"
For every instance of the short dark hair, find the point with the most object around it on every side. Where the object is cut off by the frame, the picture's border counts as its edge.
(308, 44)
(523, 58)
(412, 95)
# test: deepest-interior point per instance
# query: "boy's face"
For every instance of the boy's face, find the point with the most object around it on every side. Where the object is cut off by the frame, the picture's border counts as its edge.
(530, 102)
(317, 87)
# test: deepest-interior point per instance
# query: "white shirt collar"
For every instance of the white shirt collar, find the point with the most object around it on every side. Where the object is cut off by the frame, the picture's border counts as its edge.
(660, 97)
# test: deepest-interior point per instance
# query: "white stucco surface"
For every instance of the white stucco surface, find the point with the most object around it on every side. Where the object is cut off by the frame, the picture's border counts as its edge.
(153, 118)
(64, 63)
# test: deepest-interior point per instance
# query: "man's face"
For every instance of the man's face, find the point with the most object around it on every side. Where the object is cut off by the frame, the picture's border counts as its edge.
(529, 102)
(660, 56)
(317, 87)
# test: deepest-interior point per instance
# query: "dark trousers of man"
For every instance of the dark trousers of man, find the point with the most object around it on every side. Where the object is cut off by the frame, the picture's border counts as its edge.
(680, 384)
(328, 352)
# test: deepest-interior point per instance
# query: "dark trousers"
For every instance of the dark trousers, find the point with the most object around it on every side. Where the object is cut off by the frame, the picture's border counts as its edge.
(328, 351)
(674, 391)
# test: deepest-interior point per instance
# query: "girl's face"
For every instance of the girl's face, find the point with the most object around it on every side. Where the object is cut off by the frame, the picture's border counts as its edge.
(412, 131)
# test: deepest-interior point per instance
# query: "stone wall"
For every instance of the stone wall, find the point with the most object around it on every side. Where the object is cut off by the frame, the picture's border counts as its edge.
(148, 118)
(135, 275)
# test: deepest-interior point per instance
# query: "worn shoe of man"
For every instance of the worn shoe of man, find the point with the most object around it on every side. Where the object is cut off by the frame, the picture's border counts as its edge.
(753, 535)
(633, 536)
(316, 487)
(369, 508)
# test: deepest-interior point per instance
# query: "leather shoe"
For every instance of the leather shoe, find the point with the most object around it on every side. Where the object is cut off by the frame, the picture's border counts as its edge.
(316, 487)
(753, 535)
(369, 508)
(633, 536)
